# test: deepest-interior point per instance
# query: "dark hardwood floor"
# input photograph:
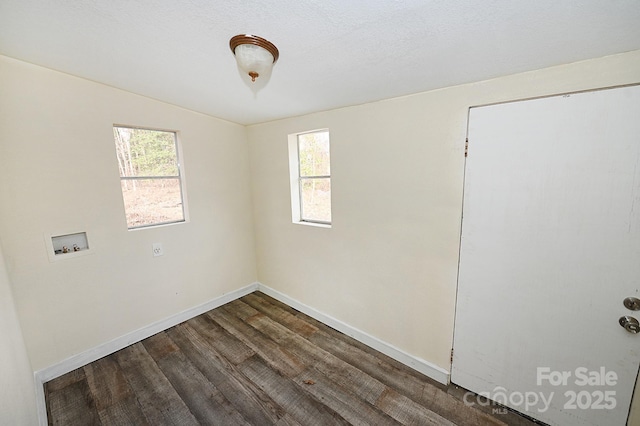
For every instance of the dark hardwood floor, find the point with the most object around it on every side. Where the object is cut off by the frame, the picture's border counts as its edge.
(256, 361)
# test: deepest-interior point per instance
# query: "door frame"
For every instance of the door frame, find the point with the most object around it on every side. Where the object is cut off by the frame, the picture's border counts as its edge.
(633, 416)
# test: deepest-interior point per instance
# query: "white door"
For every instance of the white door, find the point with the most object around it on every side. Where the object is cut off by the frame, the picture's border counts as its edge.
(550, 249)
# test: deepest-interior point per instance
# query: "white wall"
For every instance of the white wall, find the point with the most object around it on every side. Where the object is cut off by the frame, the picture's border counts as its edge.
(17, 393)
(388, 265)
(60, 175)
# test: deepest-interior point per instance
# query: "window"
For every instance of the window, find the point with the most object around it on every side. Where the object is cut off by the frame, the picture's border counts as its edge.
(309, 165)
(149, 176)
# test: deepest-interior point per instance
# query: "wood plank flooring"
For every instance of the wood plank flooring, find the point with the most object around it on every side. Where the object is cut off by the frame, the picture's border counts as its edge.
(257, 361)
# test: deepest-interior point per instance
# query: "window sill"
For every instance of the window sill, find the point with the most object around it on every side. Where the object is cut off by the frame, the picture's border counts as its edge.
(314, 224)
(158, 225)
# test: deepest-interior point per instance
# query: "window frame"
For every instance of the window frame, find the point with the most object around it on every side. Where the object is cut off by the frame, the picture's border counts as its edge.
(297, 205)
(179, 177)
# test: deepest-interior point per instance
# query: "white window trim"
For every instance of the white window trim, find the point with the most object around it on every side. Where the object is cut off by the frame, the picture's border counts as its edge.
(180, 177)
(294, 178)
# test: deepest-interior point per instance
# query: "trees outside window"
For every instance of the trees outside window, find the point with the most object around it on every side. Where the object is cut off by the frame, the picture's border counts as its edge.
(311, 170)
(150, 176)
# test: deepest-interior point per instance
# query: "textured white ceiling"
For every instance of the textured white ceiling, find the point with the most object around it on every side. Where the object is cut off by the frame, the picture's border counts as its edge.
(333, 53)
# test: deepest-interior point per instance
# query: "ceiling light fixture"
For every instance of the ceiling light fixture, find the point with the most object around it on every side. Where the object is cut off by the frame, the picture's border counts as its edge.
(254, 54)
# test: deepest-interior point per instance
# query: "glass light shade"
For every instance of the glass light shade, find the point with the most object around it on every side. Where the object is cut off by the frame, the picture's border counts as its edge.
(255, 55)
(253, 59)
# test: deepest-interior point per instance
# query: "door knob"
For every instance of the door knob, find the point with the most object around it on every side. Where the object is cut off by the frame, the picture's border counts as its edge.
(630, 324)
(632, 303)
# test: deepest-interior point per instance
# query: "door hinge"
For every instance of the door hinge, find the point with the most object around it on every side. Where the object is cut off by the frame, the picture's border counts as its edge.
(451, 355)
(466, 147)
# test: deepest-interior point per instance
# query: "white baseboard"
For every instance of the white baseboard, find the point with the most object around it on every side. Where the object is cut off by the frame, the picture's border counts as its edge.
(76, 361)
(427, 368)
(93, 354)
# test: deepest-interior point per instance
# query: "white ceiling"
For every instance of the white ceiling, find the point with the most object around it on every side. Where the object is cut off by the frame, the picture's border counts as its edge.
(333, 53)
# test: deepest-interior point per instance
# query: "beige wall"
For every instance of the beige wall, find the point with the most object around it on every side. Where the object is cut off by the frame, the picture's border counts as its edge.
(388, 265)
(61, 175)
(17, 392)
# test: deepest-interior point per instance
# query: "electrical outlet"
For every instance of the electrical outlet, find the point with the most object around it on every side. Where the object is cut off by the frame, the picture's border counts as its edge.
(157, 249)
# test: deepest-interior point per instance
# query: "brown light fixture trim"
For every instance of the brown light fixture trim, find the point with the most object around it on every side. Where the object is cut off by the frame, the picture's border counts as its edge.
(258, 41)
(258, 55)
